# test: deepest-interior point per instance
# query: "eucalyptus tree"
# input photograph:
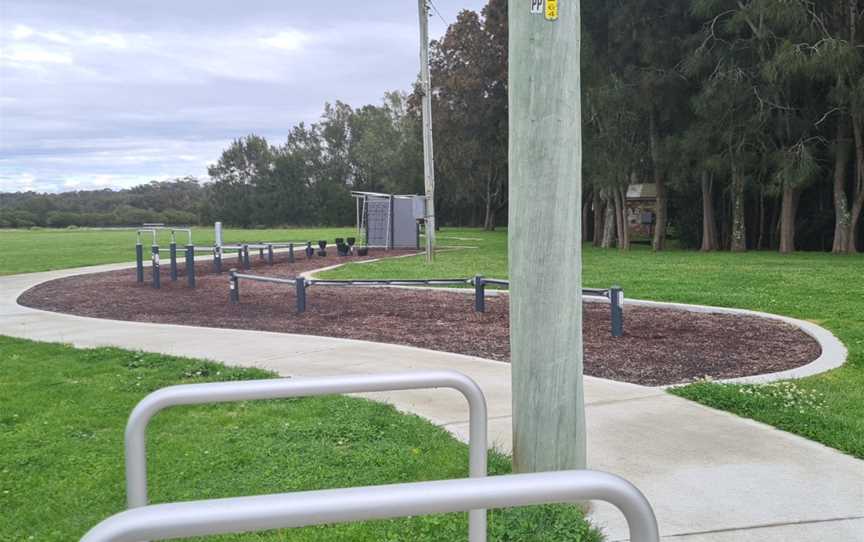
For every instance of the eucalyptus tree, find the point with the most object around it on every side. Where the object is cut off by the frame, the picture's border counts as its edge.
(647, 42)
(837, 54)
(235, 178)
(469, 74)
(617, 147)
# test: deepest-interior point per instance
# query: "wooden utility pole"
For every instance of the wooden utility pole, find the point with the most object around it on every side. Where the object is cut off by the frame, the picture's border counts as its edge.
(544, 236)
(428, 154)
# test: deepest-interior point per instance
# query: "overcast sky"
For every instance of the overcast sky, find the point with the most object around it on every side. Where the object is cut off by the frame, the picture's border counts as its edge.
(113, 93)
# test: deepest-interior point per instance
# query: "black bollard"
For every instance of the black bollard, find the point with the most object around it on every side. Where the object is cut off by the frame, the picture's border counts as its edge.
(479, 293)
(190, 265)
(290, 252)
(270, 254)
(245, 257)
(139, 262)
(172, 250)
(300, 284)
(217, 259)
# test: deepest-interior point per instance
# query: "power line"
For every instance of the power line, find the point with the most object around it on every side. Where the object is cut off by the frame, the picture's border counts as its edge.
(435, 9)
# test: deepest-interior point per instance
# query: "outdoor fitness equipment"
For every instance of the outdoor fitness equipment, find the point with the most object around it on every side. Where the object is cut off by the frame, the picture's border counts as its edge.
(289, 510)
(615, 294)
(154, 230)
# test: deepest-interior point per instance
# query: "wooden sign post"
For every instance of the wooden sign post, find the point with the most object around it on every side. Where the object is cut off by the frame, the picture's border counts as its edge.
(544, 236)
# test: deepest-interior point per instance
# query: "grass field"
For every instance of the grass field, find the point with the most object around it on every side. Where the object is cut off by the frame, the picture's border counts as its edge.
(822, 288)
(62, 417)
(25, 251)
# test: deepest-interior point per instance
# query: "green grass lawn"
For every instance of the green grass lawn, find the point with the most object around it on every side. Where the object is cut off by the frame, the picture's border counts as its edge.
(62, 417)
(25, 251)
(823, 288)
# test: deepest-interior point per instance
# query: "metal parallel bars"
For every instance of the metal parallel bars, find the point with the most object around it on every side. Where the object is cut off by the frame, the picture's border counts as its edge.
(614, 294)
(223, 392)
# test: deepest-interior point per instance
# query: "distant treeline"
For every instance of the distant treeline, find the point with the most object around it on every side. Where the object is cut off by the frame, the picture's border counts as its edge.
(182, 201)
(747, 116)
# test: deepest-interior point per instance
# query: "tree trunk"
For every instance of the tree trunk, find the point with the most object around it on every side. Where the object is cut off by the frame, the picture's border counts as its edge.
(739, 226)
(586, 224)
(858, 195)
(609, 228)
(760, 241)
(489, 215)
(489, 221)
(788, 214)
(709, 223)
(659, 242)
(599, 216)
(842, 214)
(621, 222)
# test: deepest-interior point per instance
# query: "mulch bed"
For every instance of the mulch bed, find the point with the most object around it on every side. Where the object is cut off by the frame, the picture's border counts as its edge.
(661, 346)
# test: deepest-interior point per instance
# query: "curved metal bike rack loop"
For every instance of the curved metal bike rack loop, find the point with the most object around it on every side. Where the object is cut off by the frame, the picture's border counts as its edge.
(246, 514)
(222, 392)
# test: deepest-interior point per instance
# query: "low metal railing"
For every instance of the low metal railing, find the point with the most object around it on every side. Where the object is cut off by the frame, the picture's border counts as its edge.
(222, 392)
(290, 510)
(615, 294)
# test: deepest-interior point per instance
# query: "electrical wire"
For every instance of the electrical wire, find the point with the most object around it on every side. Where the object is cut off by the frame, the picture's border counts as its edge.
(435, 9)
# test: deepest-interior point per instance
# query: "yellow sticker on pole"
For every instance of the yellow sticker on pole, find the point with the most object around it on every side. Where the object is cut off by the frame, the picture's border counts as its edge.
(551, 10)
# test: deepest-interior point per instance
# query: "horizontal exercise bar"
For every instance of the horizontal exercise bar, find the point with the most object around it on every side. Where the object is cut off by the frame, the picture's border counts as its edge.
(302, 509)
(595, 291)
(396, 282)
(258, 278)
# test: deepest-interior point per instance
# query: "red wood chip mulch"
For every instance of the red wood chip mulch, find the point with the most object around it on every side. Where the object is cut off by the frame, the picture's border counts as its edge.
(660, 346)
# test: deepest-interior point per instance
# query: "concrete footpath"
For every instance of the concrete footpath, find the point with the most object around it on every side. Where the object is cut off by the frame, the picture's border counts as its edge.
(711, 476)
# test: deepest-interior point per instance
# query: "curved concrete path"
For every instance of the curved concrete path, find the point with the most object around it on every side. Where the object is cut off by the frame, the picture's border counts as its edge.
(711, 476)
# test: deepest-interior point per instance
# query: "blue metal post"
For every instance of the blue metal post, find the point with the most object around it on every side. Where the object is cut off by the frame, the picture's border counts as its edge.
(217, 259)
(301, 295)
(190, 265)
(290, 252)
(479, 293)
(139, 262)
(172, 249)
(270, 254)
(245, 257)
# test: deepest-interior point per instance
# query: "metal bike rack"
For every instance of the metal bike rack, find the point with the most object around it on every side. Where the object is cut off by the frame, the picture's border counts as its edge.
(289, 510)
(223, 392)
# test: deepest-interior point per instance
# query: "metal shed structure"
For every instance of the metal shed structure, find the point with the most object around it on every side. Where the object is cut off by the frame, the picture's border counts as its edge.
(389, 220)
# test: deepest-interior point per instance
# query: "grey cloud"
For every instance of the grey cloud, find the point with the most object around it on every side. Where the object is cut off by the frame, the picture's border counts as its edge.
(96, 93)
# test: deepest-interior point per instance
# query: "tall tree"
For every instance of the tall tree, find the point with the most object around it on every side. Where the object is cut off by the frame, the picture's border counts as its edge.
(469, 74)
(235, 177)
